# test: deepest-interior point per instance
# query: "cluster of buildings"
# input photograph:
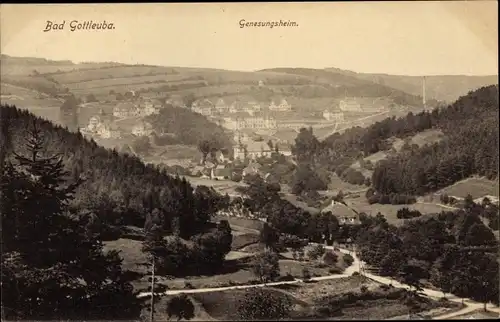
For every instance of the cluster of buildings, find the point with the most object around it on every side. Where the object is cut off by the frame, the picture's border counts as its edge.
(132, 109)
(246, 147)
(240, 122)
(103, 126)
(351, 105)
(220, 107)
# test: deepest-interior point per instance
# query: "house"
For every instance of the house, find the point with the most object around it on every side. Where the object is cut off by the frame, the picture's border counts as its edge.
(252, 150)
(221, 107)
(252, 168)
(261, 83)
(338, 117)
(350, 105)
(344, 214)
(149, 107)
(203, 107)
(241, 136)
(108, 131)
(220, 173)
(125, 109)
(255, 106)
(94, 122)
(142, 129)
(283, 106)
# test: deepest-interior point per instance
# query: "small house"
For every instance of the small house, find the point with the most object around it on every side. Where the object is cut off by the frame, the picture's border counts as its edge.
(220, 173)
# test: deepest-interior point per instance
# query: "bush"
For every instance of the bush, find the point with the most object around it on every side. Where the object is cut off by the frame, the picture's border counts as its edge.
(330, 258)
(383, 287)
(364, 289)
(355, 274)
(306, 275)
(348, 259)
(188, 285)
(335, 270)
(316, 252)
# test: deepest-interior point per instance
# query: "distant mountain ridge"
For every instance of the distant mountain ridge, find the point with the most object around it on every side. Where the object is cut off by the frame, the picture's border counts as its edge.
(446, 88)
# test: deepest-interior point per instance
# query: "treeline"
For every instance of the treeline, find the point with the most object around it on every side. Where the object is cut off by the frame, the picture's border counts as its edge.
(471, 129)
(454, 250)
(189, 128)
(264, 200)
(118, 188)
(470, 147)
(53, 264)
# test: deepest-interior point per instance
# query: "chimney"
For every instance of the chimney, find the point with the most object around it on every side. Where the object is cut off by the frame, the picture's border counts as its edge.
(423, 92)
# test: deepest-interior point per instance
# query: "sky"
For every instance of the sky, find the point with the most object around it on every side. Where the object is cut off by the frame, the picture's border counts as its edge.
(404, 38)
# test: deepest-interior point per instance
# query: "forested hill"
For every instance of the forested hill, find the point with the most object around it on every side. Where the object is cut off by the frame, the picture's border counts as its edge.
(470, 126)
(119, 188)
(470, 148)
(343, 84)
(188, 127)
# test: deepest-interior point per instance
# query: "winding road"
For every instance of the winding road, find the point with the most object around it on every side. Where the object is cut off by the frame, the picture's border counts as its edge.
(470, 305)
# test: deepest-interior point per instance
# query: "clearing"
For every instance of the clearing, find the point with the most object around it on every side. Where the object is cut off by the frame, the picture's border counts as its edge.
(477, 187)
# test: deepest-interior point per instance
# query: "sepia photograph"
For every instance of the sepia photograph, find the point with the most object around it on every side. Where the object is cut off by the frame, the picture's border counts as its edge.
(249, 161)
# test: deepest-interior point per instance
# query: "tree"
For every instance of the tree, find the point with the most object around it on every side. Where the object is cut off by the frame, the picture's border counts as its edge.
(306, 145)
(181, 307)
(91, 98)
(266, 266)
(153, 244)
(205, 148)
(478, 235)
(51, 266)
(330, 258)
(411, 275)
(391, 263)
(269, 236)
(316, 252)
(189, 99)
(261, 304)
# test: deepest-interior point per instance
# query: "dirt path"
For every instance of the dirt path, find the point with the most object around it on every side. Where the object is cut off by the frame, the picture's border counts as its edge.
(355, 267)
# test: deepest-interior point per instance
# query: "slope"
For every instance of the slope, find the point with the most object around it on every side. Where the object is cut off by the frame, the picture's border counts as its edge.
(119, 188)
(446, 88)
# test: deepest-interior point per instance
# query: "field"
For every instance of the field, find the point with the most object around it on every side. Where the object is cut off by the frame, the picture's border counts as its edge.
(390, 211)
(223, 305)
(222, 186)
(336, 184)
(172, 154)
(307, 298)
(477, 187)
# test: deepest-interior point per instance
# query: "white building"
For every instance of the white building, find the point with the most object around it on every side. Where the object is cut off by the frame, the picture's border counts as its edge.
(142, 129)
(125, 109)
(203, 107)
(282, 107)
(221, 107)
(330, 116)
(108, 131)
(251, 150)
(350, 105)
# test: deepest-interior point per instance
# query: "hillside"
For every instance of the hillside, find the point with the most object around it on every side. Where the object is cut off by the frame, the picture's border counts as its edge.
(105, 80)
(467, 146)
(446, 88)
(119, 188)
(345, 84)
(187, 127)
